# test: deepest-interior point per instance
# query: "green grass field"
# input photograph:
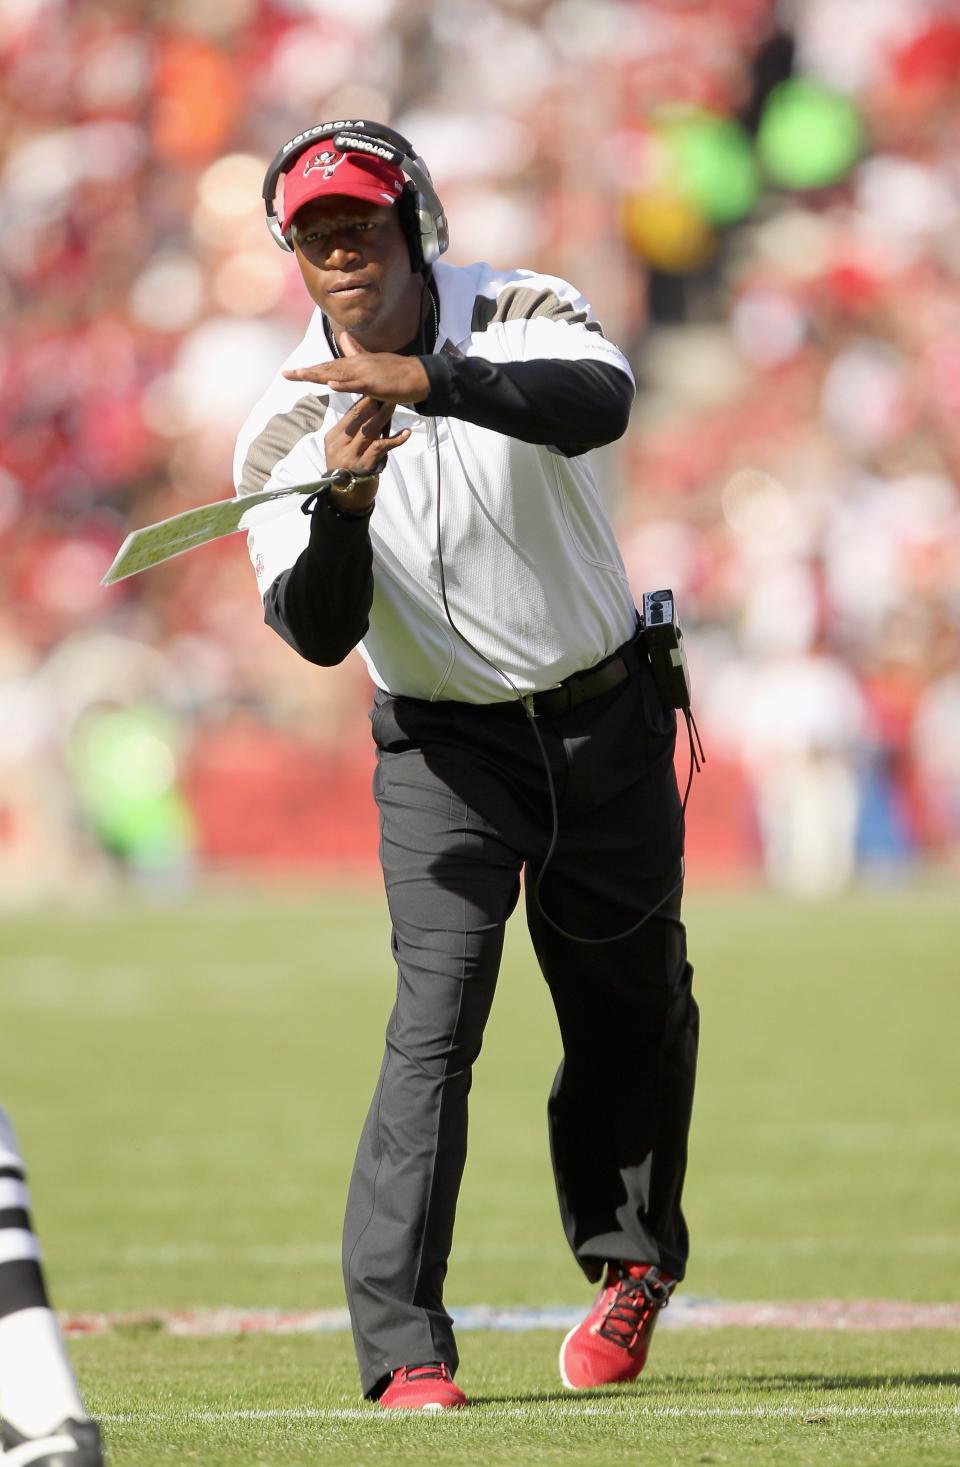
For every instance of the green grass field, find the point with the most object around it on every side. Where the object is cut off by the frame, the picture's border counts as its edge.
(189, 1081)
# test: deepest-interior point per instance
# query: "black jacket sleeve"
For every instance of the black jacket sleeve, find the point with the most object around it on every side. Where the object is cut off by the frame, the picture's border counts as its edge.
(321, 605)
(572, 406)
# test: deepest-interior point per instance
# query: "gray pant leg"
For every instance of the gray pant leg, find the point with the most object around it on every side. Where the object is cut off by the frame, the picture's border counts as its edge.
(451, 884)
(620, 1108)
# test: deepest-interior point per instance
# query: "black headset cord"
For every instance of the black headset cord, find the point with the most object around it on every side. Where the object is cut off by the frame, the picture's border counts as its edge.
(695, 762)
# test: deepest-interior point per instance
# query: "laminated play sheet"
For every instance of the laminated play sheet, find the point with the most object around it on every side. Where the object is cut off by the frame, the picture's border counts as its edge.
(155, 543)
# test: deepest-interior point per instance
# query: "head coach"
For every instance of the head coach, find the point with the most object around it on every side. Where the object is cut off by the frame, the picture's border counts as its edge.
(464, 550)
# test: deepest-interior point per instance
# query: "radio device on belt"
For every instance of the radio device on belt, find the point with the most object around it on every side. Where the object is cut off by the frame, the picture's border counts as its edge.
(664, 642)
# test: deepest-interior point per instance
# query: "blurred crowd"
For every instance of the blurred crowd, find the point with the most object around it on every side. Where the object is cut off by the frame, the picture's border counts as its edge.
(762, 201)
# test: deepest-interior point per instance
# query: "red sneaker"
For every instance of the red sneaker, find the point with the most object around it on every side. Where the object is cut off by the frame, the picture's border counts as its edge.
(610, 1346)
(422, 1388)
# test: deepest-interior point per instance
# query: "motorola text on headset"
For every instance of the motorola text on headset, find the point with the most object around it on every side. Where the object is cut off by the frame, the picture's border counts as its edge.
(425, 226)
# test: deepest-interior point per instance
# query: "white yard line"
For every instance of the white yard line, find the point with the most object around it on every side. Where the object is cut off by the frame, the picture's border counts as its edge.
(798, 1410)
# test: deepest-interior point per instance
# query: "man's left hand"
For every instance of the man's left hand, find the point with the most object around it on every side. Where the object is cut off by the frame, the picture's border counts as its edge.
(382, 375)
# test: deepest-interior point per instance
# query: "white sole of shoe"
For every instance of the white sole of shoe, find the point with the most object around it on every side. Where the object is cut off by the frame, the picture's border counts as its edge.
(37, 1450)
(432, 1408)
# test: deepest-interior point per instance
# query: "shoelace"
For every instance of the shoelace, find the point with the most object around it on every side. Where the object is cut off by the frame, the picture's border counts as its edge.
(433, 1371)
(634, 1302)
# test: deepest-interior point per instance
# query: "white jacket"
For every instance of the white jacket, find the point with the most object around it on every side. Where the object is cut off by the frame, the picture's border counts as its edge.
(534, 578)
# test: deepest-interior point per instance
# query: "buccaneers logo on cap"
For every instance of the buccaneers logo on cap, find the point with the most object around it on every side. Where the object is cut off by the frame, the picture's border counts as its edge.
(325, 161)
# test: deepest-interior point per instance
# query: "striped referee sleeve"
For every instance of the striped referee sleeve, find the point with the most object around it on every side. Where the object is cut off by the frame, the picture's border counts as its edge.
(21, 1280)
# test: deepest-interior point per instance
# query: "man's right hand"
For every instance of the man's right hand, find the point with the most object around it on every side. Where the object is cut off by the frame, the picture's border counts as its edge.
(357, 442)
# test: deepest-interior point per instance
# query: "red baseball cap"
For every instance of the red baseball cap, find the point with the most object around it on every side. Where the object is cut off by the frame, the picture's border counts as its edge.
(324, 172)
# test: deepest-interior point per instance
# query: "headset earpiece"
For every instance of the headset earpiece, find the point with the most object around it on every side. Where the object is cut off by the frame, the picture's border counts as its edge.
(419, 243)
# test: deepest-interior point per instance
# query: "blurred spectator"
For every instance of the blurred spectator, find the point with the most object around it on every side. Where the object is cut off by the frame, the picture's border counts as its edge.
(764, 198)
(797, 721)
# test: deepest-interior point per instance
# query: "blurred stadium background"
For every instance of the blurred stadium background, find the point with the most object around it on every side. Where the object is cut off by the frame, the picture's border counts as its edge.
(762, 202)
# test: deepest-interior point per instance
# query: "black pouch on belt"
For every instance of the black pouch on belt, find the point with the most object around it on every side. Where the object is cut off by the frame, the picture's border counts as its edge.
(663, 638)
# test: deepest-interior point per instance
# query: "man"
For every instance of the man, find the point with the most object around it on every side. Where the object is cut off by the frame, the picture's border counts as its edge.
(43, 1421)
(467, 554)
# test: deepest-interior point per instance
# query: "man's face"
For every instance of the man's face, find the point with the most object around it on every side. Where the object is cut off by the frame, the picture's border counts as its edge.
(356, 265)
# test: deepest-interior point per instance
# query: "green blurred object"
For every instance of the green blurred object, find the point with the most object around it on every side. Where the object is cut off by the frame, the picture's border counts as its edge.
(809, 136)
(715, 167)
(124, 769)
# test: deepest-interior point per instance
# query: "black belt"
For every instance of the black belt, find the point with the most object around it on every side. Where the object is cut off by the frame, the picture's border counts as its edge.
(579, 687)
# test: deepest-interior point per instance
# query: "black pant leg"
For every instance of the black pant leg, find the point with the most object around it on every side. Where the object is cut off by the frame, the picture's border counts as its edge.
(619, 1112)
(451, 883)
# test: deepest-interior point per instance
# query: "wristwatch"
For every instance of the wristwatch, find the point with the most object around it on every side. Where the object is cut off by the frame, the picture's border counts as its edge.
(343, 480)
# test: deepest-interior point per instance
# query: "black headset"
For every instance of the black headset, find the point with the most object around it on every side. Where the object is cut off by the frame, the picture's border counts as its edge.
(421, 212)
